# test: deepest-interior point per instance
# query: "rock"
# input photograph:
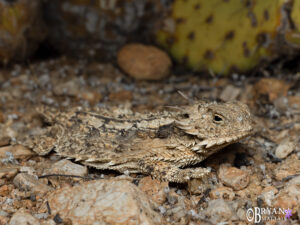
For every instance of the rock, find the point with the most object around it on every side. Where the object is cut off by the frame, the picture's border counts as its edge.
(18, 152)
(230, 93)
(294, 101)
(219, 211)
(8, 172)
(241, 213)
(271, 87)
(4, 219)
(200, 186)
(5, 190)
(268, 194)
(295, 180)
(69, 88)
(233, 177)
(285, 201)
(285, 148)
(178, 213)
(66, 167)
(172, 197)
(289, 196)
(30, 183)
(223, 193)
(177, 206)
(288, 167)
(281, 104)
(28, 170)
(144, 62)
(253, 189)
(23, 218)
(155, 189)
(2, 119)
(51, 222)
(91, 96)
(121, 96)
(109, 201)
(4, 140)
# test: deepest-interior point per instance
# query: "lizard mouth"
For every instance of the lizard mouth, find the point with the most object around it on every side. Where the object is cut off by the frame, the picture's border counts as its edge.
(220, 142)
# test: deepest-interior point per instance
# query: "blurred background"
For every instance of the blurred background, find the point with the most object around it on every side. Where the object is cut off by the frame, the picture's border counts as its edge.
(216, 36)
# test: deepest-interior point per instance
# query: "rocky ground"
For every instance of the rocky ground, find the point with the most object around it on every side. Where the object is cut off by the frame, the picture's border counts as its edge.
(262, 171)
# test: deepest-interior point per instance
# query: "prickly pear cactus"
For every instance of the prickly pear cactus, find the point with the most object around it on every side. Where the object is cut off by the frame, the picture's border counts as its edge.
(292, 36)
(223, 35)
(21, 29)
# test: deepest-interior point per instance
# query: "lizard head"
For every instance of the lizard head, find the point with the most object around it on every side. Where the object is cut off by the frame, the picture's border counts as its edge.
(216, 124)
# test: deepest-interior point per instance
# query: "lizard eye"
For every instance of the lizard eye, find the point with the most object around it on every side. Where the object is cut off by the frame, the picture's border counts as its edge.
(218, 119)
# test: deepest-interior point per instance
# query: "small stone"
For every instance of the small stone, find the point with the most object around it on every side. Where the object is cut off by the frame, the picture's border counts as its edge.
(8, 172)
(268, 194)
(91, 97)
(51, 222)
(294, 101)
(230, 93)
(285, 148)
(241, 213)
(219, 211)
(285, 202)
(272, 87)
(290, 166)
(120, 96)
(3, 213)
(199, 186)
(233, 177)
(290, 191)
(281, 104)
(289, 196)
(172, 197)
(222, 192)
(162, 209)
(108, 201)
(178, 212)
(4, 219)
(4, 141)
(155, 189)
(295, 180)
(28, 170)
(66, 167)
(144, 62)
(5, 190)
(18, 152)
(41, 215)
(69, 88)
(2, 119)
(253, 189)
(30, 183)
(23, 218)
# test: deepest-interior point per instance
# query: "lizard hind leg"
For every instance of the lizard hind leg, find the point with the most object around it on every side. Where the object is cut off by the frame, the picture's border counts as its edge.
(167, 172)
(41, 144)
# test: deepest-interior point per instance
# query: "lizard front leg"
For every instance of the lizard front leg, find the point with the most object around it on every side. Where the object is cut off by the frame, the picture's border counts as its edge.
(167, 172)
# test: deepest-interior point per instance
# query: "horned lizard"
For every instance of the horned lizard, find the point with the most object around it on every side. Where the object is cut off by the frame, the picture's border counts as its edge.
(162, 144)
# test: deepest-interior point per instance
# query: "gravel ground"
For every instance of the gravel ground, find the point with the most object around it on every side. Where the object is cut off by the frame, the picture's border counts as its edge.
(262, 171)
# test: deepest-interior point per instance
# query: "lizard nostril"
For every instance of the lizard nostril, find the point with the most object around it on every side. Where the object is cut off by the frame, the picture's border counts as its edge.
(186, 115)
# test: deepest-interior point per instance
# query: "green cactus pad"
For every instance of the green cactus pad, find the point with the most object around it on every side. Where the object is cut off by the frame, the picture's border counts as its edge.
(221, 35)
